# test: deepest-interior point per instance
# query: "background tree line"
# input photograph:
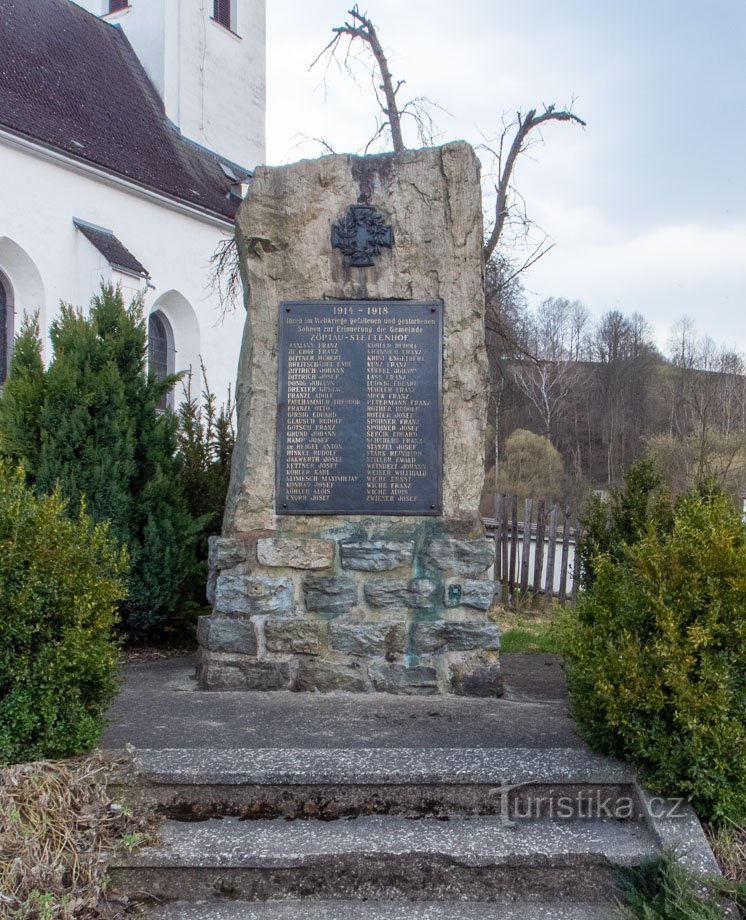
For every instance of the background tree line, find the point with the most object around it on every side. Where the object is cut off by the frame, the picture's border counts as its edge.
(576, 401)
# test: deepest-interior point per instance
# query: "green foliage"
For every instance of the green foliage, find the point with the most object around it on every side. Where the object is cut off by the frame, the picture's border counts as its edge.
(661, 889)
(528, 638)
(90, 423)
(609, 527)
(206, 439)
(656, 652)
(59, 583)
(530, 466)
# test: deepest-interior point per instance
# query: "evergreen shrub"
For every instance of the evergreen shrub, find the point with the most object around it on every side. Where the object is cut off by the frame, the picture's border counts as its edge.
(206, 438)
(610, 526)
(90, 425)
(656, 652)
(59, 583)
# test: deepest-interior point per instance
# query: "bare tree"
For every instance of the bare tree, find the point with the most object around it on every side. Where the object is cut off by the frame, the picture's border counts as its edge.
(506, 154)
(707, 410)
(548, 386)
(360, 28)
(224, 278)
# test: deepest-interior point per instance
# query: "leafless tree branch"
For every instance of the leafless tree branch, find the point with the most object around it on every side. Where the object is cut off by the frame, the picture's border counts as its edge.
(359, 28)
(224, 277)
(523, 125)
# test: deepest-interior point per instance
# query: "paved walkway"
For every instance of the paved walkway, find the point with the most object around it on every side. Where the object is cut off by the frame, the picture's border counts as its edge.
(160, 707)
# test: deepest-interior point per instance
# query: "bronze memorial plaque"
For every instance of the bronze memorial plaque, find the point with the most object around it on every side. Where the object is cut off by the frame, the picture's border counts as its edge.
(359, 416)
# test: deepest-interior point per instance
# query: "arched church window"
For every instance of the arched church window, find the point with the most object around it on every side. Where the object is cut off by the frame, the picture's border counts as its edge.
(6, 327)
(161, 352)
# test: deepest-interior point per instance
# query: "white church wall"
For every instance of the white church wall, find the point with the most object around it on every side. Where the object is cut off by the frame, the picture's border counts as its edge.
(47, 259)
(222, 80)
(212, 80)
(27, 286)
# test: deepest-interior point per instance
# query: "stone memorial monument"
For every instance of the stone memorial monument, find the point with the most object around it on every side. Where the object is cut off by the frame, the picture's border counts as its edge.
(353, 556)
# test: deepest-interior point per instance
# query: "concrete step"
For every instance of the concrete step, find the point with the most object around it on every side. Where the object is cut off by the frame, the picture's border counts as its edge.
(381, 910)
(482, 859)
(264, 783)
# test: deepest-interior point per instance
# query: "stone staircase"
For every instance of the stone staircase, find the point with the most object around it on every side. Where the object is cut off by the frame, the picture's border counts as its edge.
(388, 833)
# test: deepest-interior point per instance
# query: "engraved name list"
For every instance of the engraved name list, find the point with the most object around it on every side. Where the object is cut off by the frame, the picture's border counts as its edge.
(359, 424)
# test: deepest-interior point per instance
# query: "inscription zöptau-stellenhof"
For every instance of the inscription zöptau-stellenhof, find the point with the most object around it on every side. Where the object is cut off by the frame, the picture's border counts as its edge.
(359, 428)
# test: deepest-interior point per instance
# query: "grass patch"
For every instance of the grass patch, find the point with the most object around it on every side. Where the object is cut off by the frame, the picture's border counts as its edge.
(728, 842)
(524, 633)
(57, 828)
(662, 889)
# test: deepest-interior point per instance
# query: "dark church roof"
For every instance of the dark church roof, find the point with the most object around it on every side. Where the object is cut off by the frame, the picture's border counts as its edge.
(73, 83)
(111, 248)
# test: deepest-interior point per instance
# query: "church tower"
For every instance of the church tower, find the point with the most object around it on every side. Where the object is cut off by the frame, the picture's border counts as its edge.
(206, 58)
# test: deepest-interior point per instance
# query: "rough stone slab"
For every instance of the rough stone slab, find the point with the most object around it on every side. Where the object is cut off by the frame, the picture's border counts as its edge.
(454, 636)
(327, 676)
(286, 255)
(295, 553)
(475, 674)
(376, 555)
(418, 593)
(295, 635)
(330, 594)
(381, 910)
(677, 828)
(221, 672)
(226, 634)
(212, 584)
(390, 677)
(250, 595)
(476, 594)
(460, 557)
(381, 766)
(476, 842)
(242, 672)
(226, 552)
(368, 640)
(268, 675)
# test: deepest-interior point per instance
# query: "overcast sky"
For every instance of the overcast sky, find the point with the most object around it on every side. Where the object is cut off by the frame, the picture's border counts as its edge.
(647, 205)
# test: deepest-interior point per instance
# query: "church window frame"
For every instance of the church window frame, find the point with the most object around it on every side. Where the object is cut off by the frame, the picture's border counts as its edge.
(224, 14)
(161, 353)
(7, 331)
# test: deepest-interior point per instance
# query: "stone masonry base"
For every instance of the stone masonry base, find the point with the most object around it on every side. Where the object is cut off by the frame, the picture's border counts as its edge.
(398, 609)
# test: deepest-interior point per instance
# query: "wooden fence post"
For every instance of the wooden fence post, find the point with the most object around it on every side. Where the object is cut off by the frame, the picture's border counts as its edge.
(551, 550)
(499, 501)
(539, 551)
(527, 518)
(513, 546)
(565, 557)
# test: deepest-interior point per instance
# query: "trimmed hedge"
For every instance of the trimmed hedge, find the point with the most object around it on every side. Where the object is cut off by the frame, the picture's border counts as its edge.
(656, 654)
(59, 583)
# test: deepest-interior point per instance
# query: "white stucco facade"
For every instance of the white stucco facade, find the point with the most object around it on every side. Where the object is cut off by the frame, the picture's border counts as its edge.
(211, 79)
(47, 260)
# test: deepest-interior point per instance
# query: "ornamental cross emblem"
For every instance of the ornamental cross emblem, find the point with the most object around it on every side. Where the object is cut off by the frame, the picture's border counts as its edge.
(361, 235)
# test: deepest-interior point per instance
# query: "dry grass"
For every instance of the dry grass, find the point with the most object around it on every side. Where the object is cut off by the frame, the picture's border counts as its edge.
(728, 843)
(57, 828)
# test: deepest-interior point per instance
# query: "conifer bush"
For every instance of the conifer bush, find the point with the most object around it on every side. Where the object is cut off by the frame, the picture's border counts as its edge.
(90, 425)
(206, 438)
(656, 652)
(59, 583)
